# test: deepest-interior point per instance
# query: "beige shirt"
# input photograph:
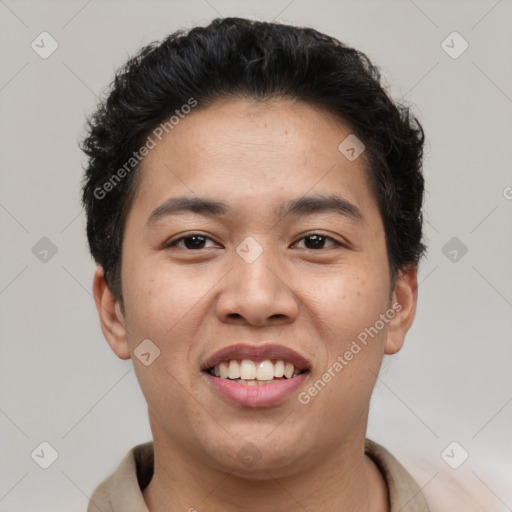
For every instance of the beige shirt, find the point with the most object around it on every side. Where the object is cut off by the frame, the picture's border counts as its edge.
(122, 490)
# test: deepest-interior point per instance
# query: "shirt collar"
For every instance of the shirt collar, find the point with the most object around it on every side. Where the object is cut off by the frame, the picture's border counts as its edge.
(122, 490)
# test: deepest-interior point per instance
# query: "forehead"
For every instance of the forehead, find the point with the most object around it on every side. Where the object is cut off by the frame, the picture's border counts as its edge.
(252, 154)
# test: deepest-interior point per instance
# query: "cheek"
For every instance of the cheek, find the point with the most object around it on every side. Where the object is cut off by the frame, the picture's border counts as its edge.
(166, 304)
(342, 387)
(159, 290)
(159, 307)
(351, 300)
(355, 349)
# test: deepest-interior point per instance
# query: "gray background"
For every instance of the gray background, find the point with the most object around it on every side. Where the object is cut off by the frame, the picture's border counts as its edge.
(60, 382)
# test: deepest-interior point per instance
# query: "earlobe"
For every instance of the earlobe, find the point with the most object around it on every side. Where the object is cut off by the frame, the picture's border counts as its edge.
(112, 321)
(403, 302)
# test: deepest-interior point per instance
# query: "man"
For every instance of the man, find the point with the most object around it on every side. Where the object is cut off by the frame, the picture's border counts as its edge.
(253, 202)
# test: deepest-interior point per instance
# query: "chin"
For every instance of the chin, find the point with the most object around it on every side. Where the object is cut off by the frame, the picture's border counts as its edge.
(261, 457)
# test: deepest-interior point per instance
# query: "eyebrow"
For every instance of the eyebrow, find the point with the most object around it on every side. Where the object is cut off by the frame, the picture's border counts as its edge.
(306, 205)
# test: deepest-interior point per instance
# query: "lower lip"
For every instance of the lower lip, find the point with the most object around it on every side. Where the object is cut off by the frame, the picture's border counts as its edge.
(263, 395)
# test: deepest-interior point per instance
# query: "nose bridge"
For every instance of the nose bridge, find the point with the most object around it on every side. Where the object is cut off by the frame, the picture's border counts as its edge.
(254, 267)
(256, 288)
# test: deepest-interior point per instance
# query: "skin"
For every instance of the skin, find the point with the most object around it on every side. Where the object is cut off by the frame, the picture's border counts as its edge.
(193, 302)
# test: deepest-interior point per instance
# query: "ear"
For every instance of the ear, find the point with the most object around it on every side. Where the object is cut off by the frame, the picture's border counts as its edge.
(111, 318)
(403, 302)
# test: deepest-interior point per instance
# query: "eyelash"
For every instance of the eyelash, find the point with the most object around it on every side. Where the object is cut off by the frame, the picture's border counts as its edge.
(175, 242)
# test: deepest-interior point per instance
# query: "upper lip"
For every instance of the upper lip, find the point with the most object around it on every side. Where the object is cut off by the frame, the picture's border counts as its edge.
(257, 353)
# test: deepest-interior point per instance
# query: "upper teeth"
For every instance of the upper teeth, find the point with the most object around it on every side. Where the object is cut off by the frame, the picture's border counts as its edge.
(249, 370)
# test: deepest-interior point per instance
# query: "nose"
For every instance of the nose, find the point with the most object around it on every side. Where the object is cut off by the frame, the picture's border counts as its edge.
(257, 294)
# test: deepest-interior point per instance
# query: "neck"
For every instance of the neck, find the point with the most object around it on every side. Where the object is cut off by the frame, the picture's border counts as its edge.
(343, 480)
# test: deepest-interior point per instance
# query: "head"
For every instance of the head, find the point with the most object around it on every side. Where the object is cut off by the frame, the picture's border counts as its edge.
(259, 121)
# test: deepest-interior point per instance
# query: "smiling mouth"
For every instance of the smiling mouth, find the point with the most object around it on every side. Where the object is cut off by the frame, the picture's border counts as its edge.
(255, 373)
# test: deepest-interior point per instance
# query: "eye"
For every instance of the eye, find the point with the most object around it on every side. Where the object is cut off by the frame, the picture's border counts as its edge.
(196, 241)
(317, 241)
(193, 241)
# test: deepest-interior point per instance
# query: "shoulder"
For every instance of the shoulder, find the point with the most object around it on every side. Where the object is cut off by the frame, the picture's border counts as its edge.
(122, 490)
(404, 493)
(446, 489)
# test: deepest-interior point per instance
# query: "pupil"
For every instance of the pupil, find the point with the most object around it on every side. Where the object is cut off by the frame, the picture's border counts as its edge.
(318, 241)
(198, 240)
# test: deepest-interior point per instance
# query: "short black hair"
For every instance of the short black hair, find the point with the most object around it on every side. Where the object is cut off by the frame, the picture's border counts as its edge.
(236, 57)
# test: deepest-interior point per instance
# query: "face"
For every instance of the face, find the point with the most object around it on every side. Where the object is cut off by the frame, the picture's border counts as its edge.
(291, 266)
